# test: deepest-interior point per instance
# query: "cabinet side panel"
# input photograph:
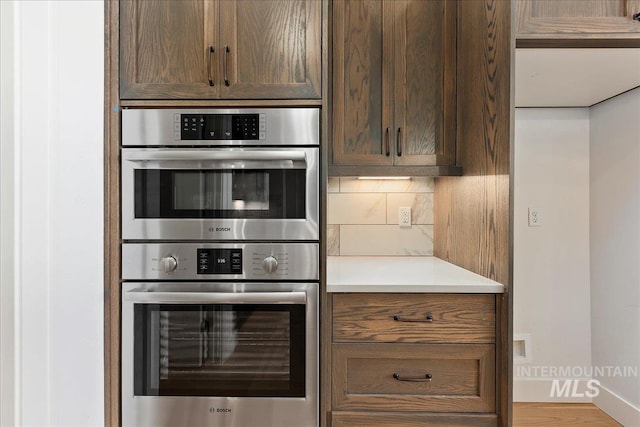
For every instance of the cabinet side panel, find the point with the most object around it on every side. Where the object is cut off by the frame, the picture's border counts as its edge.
(111, 219)
(472, 213)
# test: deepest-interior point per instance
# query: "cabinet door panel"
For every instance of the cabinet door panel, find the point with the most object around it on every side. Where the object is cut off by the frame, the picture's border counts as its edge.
(393, 377)
(468, 318)
(361, 92)
(424, 82)
(404, 419)
(576, 19)
(164, 49)
(274, 48)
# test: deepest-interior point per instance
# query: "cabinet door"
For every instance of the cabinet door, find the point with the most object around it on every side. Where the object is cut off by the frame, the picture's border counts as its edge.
(165, 49)
(424, 95)
(362, 121)
(576, 19)
(271, 49)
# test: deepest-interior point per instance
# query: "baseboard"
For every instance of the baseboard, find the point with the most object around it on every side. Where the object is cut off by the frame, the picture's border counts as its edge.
(617, 408)
(539, 390)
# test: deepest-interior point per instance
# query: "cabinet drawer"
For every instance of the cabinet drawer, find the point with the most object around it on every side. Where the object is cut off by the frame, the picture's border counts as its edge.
(414, 377)
(399, 419)
(414, 318)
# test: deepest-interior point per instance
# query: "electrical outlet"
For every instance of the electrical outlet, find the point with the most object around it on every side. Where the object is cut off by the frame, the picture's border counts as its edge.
(404, 217)
(535, 217)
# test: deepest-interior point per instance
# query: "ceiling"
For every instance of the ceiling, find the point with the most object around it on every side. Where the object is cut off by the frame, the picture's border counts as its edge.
(574, 77)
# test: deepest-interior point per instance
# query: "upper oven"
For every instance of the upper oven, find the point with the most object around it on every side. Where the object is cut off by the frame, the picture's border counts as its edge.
(213, 174)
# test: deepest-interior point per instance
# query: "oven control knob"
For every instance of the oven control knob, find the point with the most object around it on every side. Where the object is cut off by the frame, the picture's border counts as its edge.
(270, 264)
(169, 264)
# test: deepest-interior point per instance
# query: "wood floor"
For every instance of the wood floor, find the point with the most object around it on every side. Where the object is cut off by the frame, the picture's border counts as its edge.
(560, 414)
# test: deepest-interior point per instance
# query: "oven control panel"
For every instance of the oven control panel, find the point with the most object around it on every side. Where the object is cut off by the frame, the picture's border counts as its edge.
(268, 126)
(220, 127)
(219, 261)
(223, 261)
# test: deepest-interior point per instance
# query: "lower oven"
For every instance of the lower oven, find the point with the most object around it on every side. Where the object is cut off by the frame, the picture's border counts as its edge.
(202, 351)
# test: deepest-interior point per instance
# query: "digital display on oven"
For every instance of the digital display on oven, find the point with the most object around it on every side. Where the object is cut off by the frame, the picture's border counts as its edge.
(214, 127)
(219, 261)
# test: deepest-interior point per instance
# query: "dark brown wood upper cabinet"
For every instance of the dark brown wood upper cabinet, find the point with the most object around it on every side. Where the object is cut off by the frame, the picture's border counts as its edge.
(394, 67)
(220, 49)
(541, 23)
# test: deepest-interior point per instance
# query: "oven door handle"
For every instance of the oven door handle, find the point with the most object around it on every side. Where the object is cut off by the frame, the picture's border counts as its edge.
(216, 297)
(182, 155)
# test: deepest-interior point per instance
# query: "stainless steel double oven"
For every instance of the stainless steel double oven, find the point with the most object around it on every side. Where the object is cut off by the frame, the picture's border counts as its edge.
(220, 267)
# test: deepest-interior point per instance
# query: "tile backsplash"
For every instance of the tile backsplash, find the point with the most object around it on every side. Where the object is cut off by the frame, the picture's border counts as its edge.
(362, 217)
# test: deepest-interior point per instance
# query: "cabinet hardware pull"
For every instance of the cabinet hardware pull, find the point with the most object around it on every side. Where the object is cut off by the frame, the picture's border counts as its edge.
(226, 64)
(386, 143)
(426, 379)
(428, 318)
(399, 144)
(636, 16)
(211, 52)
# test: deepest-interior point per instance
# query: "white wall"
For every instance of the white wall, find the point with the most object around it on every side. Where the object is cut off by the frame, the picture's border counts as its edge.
(7, 223)
(615, 251)
(58, 171)
(551, 262)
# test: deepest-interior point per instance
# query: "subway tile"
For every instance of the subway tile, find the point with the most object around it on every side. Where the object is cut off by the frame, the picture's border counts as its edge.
(386, 240)
(421, 207)
(357, 208)
(421, 184)
(333, 240)
(333, 185)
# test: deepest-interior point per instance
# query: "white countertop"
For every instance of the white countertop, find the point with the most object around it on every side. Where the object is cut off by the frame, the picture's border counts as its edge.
(403, 274)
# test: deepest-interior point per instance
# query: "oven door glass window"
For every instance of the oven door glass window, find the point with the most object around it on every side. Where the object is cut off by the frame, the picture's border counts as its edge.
(219, 350)
(185, 193)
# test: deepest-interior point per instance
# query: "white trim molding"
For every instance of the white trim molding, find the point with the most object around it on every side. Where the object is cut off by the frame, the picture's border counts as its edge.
(618, 408)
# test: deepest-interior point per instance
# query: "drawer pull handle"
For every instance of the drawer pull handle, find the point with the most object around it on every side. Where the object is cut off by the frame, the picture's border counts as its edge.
(427, 318)
(425, 379)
